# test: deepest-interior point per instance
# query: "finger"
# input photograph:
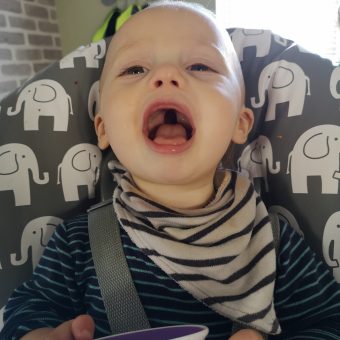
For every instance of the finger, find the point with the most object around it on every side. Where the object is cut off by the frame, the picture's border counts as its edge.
(62, 332)
(247, 334)
(83, 327)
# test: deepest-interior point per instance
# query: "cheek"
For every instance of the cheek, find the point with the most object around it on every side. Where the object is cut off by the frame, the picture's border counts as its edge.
(119, 134)
(121, 148)
(220, 96)
(228, 92)
(122, 133)
(217, 130)
(219, 116)
(117, 118)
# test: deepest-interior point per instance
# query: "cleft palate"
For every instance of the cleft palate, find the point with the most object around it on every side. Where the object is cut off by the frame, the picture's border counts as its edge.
(170, 117)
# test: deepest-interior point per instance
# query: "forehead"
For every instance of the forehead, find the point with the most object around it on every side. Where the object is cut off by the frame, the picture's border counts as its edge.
(169, 24)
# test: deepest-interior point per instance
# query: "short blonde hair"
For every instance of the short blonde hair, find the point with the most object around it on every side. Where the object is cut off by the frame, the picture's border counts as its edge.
(183, 4)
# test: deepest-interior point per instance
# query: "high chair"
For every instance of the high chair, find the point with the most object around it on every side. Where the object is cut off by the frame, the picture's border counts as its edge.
(51, 168)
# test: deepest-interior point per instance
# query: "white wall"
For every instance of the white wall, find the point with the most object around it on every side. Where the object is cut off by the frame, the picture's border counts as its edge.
(79, 19)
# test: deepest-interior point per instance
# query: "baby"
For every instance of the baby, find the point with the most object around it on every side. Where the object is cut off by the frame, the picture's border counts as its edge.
(198, 241)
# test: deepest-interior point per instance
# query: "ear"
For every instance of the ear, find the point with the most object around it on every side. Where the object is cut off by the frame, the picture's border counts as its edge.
(243, 125)
(8, 162)
(103, 142)
(317, 146)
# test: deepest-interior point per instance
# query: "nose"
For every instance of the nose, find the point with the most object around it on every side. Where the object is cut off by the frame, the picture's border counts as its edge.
(167, 75)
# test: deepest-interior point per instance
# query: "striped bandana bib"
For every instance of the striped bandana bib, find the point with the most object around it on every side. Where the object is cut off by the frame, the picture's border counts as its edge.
(223, 254)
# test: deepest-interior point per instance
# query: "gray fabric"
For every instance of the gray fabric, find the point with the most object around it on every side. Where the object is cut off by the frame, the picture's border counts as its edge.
(274, 218)
(123, 307)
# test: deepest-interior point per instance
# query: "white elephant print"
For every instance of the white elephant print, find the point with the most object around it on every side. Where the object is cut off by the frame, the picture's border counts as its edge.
(257, 159)
(43, 98)
(283, 81)
(260, 39)
(331, 244)
(79, 167)
(92, 54)
(334, 82)
(35, 237)
(17, 162)
(93, 100)
(286, 216)
(316, 153)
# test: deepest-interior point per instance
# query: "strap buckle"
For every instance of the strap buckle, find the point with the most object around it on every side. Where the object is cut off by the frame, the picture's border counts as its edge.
(99, 205)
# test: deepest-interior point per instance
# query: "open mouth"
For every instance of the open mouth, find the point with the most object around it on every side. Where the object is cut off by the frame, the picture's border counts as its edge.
(168, 126)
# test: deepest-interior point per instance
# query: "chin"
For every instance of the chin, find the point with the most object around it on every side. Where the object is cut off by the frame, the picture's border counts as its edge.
(175, 174)
(169, 176)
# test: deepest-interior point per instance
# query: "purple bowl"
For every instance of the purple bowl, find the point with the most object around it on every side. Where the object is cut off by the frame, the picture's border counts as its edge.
(187, 332)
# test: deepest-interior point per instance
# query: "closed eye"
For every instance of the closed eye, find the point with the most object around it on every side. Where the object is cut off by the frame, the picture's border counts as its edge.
(200, 68)
(133, 70)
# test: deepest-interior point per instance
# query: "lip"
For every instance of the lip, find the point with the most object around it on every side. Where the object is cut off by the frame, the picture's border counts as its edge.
(164, 104)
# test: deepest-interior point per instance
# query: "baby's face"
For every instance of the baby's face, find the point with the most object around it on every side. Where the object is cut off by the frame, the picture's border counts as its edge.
(170, 97)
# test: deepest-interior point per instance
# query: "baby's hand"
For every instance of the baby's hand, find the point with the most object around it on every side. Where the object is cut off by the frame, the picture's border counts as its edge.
(80, 328)
(247, 334)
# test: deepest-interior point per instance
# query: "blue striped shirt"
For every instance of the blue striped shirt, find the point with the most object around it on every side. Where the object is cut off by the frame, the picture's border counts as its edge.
(64, 285)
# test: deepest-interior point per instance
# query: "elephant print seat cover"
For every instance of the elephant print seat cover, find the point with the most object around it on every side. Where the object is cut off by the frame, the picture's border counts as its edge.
(49, 161)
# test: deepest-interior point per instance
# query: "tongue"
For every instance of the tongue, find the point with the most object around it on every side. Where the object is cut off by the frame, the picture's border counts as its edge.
(170, 134)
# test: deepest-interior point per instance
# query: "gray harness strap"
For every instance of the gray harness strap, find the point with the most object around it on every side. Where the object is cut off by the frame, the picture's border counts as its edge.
(274, 219)
(122, 304)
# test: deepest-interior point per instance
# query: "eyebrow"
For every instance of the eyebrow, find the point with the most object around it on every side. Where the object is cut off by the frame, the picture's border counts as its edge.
(128, 46)
(213, 48)
(198, 46)
(222, 55)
